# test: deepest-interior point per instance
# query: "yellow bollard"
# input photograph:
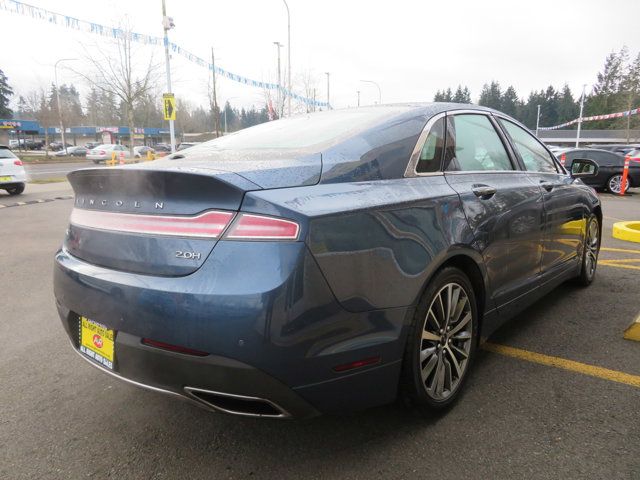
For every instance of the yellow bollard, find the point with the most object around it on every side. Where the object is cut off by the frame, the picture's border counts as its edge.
(112, 162)
(150, 156)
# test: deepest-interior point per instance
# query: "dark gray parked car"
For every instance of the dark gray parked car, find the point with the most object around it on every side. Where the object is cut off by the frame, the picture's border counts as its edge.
(610, 167)
(321, 263)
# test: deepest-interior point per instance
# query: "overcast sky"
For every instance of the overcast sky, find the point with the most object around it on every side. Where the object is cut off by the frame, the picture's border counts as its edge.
(411, 48)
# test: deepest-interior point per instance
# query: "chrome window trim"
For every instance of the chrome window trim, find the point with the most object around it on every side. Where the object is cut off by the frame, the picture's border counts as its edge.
(560, 170)
(412, 166)
(411, 170)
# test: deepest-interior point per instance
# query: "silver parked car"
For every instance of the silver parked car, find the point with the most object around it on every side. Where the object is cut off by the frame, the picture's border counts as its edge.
(104, 152)
(12, 173)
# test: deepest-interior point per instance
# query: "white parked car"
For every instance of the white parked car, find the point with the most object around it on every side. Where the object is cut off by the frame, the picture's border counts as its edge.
(102, 153)
(12, 174)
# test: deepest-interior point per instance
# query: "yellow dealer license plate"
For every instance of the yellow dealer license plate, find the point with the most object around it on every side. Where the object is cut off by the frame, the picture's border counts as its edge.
(5, 179)
(96, 342)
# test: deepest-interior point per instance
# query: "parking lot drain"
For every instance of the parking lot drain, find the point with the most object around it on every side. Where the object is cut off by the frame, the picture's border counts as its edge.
(633, 331)
(563, 363)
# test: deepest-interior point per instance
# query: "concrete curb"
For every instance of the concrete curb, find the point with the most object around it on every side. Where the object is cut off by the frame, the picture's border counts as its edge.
(40, 200)
(629, 231)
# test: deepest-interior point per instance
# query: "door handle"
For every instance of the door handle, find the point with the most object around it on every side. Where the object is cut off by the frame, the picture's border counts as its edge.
(548, 186)
(484, 191)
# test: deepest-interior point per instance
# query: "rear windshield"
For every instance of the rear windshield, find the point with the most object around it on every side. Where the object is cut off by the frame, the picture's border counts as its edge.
(301, 132)
(6, 153)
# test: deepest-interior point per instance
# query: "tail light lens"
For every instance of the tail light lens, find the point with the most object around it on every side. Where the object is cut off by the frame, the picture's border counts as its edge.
(17, 162)
(258, 227)
(102, 152)
(206, 225)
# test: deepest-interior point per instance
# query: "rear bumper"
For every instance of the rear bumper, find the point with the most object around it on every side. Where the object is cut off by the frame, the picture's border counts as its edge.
(15, 178)
(275, 338)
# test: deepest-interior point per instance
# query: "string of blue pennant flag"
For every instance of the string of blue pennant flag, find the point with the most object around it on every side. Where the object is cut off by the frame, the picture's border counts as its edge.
(58, 19)
(593, 118)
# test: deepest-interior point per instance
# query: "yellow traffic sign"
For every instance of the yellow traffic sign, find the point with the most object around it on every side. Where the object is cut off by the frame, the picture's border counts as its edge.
(169, 103)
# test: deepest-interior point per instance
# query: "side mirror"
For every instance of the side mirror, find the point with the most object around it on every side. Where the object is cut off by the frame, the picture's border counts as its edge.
(583, 167)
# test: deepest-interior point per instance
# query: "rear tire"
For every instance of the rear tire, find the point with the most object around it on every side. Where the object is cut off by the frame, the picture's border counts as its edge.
(16, 189)
(590, 253)
(442, 342)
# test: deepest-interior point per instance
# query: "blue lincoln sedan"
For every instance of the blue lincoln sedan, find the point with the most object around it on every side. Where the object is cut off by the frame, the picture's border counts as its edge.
(322, 263)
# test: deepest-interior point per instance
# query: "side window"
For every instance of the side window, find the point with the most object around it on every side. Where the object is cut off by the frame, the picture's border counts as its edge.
(431, 153)
(533, 154)
(474, 145)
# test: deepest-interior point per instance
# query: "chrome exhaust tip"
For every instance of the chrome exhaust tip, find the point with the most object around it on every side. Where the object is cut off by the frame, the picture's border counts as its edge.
(237, 404)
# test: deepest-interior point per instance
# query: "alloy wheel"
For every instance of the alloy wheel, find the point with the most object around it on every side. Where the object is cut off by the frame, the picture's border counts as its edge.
(591, 248)
(615, 184)
(446, 341)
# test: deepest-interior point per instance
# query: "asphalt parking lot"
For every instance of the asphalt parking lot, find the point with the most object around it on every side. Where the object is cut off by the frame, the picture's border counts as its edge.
(518, 418)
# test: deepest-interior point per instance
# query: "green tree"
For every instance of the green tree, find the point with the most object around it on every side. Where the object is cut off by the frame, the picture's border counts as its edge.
(509, 103)
(462, 95)
(568, 108)
(491, 96)
(5, 92)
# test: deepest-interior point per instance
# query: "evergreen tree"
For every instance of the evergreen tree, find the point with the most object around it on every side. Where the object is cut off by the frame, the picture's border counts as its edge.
(491, 96)
(462, 95)
(568, 108)
(5, 93)
(509, 102)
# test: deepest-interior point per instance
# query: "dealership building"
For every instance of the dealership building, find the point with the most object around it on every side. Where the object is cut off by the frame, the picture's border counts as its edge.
(31, 130)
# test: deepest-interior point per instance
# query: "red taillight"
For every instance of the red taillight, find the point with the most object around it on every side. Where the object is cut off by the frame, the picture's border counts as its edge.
(17, 162)
(257, 227)
(357, 364)
(208, 225)
(102, 152)
(173, 348)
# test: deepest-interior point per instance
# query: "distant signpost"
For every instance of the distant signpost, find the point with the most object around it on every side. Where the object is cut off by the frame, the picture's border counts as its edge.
(169, 103)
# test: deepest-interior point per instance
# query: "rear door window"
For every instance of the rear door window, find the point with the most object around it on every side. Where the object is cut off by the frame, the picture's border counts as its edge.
(474, 145)
(535, 157)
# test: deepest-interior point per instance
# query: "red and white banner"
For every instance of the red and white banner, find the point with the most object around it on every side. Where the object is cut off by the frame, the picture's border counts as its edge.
(593, 118)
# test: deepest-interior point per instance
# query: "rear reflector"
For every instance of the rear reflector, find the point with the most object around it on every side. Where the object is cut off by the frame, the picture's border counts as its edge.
(357, 364)
(173, 348)
(256, 227)
(206, 225)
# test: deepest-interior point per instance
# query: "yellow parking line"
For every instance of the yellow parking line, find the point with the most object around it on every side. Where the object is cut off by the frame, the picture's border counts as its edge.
(605, 263)
(620, 260)
(563, 363)
(623, 250)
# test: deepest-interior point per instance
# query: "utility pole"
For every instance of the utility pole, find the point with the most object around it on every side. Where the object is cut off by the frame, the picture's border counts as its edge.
(580, 117)
(280, 107)
(288, 58)
(328, 95)
(55, 75)
(167, 24)
(314, 101)
(358, 97)
(216, 113)
(538, 121)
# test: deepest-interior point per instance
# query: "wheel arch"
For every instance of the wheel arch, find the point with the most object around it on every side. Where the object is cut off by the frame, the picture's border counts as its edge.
(471, 264)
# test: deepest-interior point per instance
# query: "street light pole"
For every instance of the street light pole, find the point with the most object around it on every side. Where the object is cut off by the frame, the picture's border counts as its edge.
(328, 94)
(55, 76)
(358, 97)
(378, 87)
(167, 24)
(580, 117)
(538, 121)
(280, 108)
(288, 58)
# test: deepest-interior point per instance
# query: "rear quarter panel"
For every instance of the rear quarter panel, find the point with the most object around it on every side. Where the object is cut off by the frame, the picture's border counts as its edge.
(376, 242)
